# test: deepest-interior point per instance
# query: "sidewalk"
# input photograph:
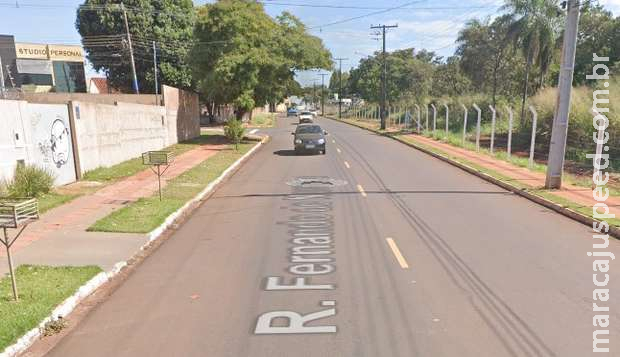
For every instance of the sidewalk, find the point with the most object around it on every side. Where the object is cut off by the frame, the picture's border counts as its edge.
(60, 236)
(580, 195)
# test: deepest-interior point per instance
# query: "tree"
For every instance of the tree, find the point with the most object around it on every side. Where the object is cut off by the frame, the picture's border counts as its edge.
(334, 83)
(256, 56)
(534, 29)
(448, 79)
(599, 32)
(167, 22)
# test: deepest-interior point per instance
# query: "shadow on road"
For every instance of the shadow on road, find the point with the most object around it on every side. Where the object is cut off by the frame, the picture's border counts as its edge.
(292, 153)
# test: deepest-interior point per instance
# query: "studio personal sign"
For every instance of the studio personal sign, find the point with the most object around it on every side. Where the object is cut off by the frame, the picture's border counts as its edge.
(49, 52)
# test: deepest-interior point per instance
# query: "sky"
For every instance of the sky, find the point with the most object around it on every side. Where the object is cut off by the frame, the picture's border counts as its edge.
(343, 25)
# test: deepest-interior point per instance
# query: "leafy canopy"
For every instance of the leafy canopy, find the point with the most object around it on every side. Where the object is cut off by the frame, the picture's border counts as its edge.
(167, 22)
(245, 57)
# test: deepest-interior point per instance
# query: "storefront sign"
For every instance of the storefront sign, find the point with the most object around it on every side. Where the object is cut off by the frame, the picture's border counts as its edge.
(49, 52)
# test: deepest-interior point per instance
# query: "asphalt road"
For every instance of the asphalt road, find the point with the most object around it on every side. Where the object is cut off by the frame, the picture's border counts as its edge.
(395, 254)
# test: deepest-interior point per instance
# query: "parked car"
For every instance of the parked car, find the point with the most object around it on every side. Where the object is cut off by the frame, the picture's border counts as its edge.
(291, 112)
(309, 138)
(305, 117)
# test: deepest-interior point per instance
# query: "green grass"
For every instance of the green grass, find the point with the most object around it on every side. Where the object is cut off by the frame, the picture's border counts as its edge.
(147, 214)
(40, 289)
(54, 199)
(133, 166)
(263, 121)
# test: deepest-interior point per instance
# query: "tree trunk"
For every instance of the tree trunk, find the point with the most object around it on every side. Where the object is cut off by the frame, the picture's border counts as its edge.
(525, 84)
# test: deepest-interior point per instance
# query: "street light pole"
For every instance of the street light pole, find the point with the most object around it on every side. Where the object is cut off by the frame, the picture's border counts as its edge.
(557, 149)
(384, 74)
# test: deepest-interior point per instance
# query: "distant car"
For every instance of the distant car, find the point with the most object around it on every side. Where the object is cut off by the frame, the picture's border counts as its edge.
(309, 138)
(315, 112)
(305, 117)
(291, 112)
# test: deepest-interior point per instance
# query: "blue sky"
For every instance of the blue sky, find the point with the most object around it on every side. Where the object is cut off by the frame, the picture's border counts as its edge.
(426, 24)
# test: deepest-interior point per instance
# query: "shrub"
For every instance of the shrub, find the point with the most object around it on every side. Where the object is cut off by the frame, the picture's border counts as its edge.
(234, 131)
(30, 181)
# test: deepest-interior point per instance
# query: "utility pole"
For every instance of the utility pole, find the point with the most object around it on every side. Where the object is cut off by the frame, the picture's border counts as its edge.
(136, 89)
(557, 149)
(340, 86)
(155, 73)
(384, 75)
(322, 93)
(314, 95)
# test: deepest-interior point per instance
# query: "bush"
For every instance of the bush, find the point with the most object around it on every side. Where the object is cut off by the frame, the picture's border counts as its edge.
(234, 131)
(30, 181)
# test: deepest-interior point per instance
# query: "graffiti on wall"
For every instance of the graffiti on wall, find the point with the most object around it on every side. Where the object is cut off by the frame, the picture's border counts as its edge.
(51, 136)
(56, 148)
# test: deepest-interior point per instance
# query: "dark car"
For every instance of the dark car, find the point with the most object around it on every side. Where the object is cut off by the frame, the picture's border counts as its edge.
(309, 138)
(291, 112)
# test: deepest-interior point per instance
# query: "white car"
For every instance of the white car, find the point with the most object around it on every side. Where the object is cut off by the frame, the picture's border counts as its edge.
(305, 117)
(315, 112)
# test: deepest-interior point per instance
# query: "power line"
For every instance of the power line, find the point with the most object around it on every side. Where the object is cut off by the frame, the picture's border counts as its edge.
(366, 15)
(384, 74)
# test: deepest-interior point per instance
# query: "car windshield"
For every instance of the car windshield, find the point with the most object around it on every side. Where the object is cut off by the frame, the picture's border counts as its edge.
(309, 129)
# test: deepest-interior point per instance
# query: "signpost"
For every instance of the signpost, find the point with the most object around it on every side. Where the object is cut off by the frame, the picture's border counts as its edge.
(157, 159)
(16, 214)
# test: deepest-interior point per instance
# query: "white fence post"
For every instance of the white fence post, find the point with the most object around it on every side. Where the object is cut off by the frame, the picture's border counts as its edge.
(533, 142)
(509, 146)
(426, 116)
(494, 115)
(464, 123)
(478, 126)
(434, 117)
(417, 107)
(447, 118)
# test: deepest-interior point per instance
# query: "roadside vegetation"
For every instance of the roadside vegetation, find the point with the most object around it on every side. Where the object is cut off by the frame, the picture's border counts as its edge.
(263, 120)
(41, 289)
(146, 214)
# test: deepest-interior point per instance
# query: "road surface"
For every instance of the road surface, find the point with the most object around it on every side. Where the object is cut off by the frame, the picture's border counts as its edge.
(374, 249)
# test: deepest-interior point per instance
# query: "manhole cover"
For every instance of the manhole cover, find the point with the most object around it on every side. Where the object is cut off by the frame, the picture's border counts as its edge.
(316, 181)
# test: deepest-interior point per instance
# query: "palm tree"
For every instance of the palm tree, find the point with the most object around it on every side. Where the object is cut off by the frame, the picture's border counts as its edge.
(534, 29)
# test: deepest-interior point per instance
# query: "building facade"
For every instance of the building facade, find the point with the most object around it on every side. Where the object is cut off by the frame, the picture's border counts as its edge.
(34, 67)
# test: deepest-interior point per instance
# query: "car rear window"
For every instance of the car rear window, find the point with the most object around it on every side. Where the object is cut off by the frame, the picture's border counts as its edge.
(309, 129)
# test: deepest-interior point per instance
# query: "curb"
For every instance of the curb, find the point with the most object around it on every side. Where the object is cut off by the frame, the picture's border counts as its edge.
(67, 306)
(567, 212)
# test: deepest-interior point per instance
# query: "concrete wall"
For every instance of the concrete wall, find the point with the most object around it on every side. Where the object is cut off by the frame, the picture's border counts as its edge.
(37, 134)
(64, 98)
(184, 108)
(109, 134)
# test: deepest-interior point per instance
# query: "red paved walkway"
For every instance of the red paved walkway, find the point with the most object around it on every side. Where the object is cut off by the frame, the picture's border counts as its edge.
(79, 214)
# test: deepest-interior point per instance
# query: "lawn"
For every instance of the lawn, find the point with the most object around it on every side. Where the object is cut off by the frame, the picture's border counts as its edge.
(147, 214)
(133, 166)
(41, 289)
(262, 121)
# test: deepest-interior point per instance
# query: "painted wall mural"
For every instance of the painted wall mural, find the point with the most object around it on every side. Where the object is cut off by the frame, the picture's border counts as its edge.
(51, 136)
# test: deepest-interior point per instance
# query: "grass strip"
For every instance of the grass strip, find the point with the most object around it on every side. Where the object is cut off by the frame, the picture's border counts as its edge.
(146, 214)
(133, 166)
(41, 290)
(263, 121)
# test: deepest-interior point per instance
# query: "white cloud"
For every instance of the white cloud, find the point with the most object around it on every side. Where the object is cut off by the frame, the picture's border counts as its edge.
(613, 5)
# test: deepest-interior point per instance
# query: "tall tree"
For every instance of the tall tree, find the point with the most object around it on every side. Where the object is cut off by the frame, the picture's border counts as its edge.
(256, 57)
(535, 28)
(169, 23)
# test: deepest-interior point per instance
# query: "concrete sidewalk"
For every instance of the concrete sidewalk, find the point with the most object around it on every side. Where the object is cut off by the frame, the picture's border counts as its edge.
(576, 194)
(60, 236)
